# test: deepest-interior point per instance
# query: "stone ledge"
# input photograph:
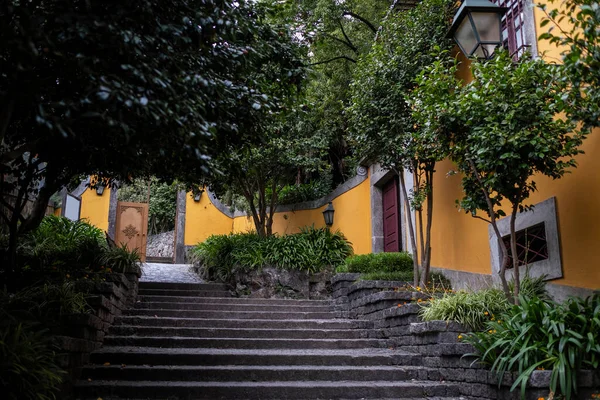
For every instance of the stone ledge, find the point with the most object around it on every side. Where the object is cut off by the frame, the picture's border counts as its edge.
(429, 327)
(344, 277)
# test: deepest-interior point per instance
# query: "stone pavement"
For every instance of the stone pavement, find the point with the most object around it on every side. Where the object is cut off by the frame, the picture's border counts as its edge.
(180, 273)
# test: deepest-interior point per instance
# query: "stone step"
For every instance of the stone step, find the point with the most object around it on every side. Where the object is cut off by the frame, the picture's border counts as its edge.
(243, 323)
(184, 293)
(128, 330)
(266, 390)
(272, 315)
(183, 286)
(250, 373)
(181, 356)
(241, 343)
(232, 307)
(231, 300)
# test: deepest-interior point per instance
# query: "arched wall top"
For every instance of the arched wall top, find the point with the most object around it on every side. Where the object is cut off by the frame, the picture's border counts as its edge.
(362, 175)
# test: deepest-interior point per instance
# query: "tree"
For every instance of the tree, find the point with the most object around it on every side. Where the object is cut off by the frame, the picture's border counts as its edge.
(258, 172)
(581, 55)
(504, 130)
(128, 89)
(335, 34)
(382, 123)
(161, 199)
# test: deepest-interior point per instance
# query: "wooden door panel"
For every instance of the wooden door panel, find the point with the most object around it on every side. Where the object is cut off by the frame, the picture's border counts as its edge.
(391, 217)
(132, 226)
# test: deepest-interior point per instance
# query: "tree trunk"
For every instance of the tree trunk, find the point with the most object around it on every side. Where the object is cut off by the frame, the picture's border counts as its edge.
(515, 258)
(502, 272)
(411, 229)
(429, 217)
(272, 206)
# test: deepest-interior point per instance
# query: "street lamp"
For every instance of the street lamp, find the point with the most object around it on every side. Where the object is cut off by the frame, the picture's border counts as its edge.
(328, 215)
(477, 28)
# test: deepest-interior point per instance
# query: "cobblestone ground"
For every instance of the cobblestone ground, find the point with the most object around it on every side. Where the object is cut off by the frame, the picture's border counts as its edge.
(180, 273)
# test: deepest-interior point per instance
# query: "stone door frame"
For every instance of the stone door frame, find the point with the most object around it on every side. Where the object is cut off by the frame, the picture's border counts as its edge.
(379, 177)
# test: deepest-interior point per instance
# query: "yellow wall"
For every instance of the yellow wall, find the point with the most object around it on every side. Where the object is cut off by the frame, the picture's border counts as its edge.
(460, 242)
(203, 219)
(94, 208)
(352, 217)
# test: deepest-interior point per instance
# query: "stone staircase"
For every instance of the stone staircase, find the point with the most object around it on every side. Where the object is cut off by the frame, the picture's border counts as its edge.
(194, 341)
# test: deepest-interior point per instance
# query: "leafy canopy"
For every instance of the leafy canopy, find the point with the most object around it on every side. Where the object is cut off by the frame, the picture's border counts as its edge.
(580, 40)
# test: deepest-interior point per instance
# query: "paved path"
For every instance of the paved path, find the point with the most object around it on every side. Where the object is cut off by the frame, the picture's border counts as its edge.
(180, 273)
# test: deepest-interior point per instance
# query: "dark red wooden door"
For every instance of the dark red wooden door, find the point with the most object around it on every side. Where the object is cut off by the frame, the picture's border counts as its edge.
(391, 217)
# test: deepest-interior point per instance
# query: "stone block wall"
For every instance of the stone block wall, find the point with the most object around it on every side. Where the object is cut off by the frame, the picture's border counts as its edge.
(80, 334)
(394, 314)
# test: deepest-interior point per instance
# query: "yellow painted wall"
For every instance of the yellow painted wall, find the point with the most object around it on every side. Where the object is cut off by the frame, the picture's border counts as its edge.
(203, 219)
(352, 217)
(460, 242)
(94, 208)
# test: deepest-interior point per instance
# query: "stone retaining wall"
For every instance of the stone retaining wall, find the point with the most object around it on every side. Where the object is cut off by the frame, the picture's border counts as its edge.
(395, 316)
(161, 245)
(80, 334)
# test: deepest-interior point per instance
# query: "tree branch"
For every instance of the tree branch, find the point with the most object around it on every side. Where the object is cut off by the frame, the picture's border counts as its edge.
(334, 59)
(350, 44)
(361, 19)
(345, 43)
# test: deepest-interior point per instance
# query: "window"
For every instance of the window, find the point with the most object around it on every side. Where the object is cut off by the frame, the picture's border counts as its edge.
(538, 243)
(531, 245)
(514, 33)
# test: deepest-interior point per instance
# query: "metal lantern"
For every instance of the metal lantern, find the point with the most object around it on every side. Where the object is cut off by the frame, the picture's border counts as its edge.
(328, 215)
(197, 197)
(477, 28)
(100, 189)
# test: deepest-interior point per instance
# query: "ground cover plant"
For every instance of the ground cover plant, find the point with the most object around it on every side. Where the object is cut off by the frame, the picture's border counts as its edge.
(380, 266)
(474, 309)
(538, 334)
(60, 248)
(311, 250)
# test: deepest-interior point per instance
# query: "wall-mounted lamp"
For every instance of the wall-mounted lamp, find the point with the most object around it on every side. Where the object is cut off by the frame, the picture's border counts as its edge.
(197, 195)
(100, 189)
(477, 28)
(328, 215)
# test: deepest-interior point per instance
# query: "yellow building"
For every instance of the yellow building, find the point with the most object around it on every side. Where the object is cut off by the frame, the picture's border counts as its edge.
(368, 208)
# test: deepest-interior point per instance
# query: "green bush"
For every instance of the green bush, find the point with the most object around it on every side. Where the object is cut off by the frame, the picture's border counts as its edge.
(379, 262)
(27, 366)
(472, 309)
(120, 259)
(536, 334)
(475, 309)
(45, 303)
(311, 250)
(61, 244)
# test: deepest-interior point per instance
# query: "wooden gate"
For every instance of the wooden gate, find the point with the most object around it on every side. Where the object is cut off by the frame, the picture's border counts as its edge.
(391, 217)
(132, 226)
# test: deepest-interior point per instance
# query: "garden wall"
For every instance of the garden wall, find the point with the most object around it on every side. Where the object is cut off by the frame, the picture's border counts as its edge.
(351, 202)
(80, 334)
(394, 314)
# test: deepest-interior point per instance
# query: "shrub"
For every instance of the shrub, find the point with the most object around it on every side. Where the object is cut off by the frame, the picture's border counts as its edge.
(45, 303)
(61, 244)
(120, 259)
(311, 250)
(472, 309)
(475, 309)
(536, 334)
(380, 262)
(27, 366)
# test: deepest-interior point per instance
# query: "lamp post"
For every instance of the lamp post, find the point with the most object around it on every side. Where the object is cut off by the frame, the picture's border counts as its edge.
(328, 215)
(477, 28)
